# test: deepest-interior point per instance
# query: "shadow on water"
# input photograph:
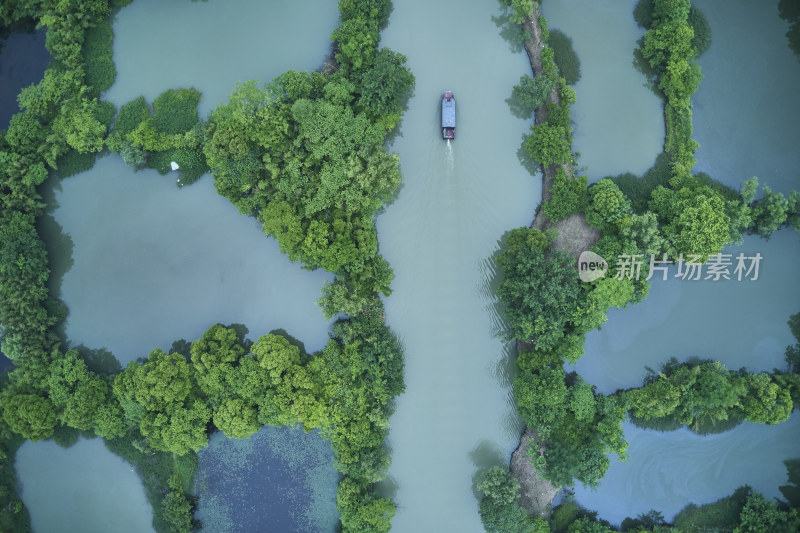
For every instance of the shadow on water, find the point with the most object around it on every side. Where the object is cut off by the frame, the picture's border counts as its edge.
(789, 10)
(791, 491)
(526, 159)
(59, 247)
(485, 456)
(510, 31)
(642, 65)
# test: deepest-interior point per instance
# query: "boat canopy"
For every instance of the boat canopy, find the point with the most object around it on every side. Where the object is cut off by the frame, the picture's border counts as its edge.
(448, 110)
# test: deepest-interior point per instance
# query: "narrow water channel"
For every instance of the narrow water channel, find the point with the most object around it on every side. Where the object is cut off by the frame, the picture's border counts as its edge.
(457, 413)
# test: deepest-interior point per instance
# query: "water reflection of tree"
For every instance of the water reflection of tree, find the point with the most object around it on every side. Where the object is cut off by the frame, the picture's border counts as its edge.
(789, 10)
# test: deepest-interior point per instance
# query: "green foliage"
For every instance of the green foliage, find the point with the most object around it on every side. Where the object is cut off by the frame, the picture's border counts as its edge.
(760, 514)
(29, 415)
(669, 48)
(607, 204)
(550, 145)
(74, 162)
(569, 65)
(541, 292)
(175, 110)
(769, 212)
(99, 67)
(722, 515)
(569, 196)
(175, 508)
(531, 93)
(386, 85)
(693, 220)
(499, 505)
(520, 9)
(705, 394)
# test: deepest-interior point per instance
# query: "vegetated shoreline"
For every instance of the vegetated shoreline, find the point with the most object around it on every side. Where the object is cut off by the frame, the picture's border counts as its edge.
(574, 237)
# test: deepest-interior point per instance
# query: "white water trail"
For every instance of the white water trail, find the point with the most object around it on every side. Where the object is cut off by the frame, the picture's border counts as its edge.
(451, 160)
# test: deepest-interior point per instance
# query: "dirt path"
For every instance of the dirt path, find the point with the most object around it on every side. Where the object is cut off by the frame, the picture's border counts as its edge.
(574, 236)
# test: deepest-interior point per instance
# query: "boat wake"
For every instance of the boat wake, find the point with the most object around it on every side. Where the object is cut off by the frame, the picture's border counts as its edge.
(451, 160)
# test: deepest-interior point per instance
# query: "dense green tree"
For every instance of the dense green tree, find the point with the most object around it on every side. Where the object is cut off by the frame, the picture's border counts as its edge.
(213, 357)
(695, 222)
(760, 514)
(31, 416)
(568, 196)
(236, 418)
(542, 398)
(386, 85)
(499, 505)
(541, 292)
(550, 145)
(175, 508)
(769, 212)
(531, 93)
(607, 204)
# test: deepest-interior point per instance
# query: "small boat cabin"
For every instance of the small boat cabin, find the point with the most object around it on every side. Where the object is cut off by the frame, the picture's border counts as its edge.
(448, 115)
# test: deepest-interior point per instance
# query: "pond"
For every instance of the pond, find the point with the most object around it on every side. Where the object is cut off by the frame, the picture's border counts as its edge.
(82, 488)
(280, 479)
(23, 59)
(152, 263)
(618, 121)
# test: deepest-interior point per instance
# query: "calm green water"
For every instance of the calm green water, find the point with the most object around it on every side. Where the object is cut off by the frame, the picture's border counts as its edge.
(457, 414)
(747, 110)
(82, 488)
(212, 45)
(153, 263)
(619, 122)
(740, 323)
(666, 471)
(744, 115)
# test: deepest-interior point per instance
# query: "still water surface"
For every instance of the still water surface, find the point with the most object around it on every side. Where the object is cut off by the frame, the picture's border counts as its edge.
(457, 414)
(153, 263)
(618, 121)
(82, 488)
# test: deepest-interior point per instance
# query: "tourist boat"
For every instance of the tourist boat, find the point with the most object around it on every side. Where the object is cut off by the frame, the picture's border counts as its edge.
(448, 115)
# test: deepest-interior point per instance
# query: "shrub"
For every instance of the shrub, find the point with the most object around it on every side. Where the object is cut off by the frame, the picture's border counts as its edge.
(550, 144)
(531, 93)
(569, 196)
(99, 66)
(176, 110)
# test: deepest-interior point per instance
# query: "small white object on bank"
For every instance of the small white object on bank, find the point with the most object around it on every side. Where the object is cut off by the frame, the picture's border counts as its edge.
(174, 165)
